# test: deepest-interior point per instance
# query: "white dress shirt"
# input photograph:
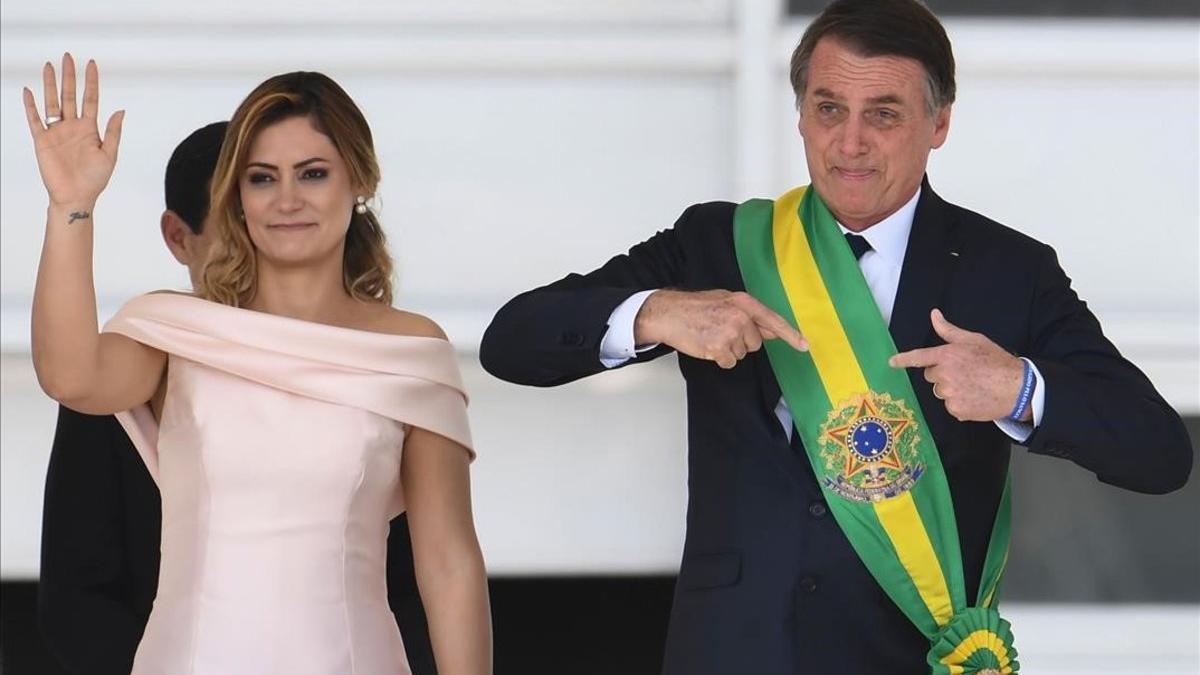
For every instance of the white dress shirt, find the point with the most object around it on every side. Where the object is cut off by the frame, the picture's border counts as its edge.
(880, 266)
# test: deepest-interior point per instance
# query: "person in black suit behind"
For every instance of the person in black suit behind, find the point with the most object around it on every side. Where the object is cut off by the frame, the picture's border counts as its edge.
(769, 583)
(102, 511)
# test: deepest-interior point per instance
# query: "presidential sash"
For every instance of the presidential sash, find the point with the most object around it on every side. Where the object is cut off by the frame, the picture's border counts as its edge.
(864, 432)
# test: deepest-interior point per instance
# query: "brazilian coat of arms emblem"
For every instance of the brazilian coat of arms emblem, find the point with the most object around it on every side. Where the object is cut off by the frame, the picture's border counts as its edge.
(869, 445)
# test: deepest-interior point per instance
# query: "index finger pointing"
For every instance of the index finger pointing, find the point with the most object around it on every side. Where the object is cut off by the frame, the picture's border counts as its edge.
(766, 319)
(916, 358)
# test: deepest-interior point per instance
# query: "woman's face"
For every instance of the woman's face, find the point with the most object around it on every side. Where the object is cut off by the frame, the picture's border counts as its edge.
(296, 194)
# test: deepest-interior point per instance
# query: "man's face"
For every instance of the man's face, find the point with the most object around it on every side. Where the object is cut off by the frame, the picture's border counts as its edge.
(867, 131)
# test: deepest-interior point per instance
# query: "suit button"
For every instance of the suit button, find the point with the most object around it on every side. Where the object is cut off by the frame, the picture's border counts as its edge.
(808, 584)
(817, 509)
(571, 339)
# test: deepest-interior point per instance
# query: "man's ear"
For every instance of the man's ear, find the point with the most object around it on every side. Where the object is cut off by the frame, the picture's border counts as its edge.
(941, 126)
(177, 236)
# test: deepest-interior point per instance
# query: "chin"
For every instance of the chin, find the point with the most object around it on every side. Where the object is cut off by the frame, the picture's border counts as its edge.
(846, 202)
(288, 258)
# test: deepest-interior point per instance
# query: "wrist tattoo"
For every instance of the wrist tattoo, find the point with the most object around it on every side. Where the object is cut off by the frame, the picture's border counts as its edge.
(79, 215)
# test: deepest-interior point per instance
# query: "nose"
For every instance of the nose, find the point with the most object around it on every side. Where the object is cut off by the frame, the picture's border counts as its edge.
(853, 141)
(289, 196)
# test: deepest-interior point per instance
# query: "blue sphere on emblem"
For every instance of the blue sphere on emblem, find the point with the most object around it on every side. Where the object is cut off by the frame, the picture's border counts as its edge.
(869, 439)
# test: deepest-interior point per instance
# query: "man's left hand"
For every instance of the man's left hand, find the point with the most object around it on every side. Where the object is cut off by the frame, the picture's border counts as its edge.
(976, 379)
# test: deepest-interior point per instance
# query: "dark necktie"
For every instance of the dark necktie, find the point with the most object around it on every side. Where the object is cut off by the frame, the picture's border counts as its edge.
(857, 244)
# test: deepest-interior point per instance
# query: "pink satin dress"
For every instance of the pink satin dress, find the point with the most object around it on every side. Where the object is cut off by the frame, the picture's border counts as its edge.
(278, 459)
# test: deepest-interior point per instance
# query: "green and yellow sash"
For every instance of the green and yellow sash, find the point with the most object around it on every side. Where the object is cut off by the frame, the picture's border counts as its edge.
(864, 432)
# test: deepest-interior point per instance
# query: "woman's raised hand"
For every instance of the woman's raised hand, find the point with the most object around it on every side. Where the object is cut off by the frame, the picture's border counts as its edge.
(74, 161)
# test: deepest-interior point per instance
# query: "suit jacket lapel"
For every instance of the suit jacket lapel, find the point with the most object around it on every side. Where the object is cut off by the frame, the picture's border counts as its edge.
(767, 384)
(929, 262)
(791, 456)
(766, 380)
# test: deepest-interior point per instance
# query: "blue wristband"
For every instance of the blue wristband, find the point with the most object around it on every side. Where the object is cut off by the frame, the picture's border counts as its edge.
(1026, 396)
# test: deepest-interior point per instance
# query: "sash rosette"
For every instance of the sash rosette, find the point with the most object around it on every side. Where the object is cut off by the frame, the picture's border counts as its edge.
(865, 434)
(976, 640)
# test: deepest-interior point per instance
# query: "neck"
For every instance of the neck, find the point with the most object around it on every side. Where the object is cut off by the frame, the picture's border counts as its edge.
(308, 292)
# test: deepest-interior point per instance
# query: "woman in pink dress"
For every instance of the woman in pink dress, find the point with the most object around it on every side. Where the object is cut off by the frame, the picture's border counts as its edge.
(285, 409)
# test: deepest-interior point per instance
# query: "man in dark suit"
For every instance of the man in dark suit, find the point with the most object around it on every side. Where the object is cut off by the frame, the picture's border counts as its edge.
(769, 583)
(102, 512)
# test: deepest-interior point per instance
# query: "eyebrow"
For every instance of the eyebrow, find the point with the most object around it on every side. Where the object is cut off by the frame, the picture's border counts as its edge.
(886, 99)
(297, 165)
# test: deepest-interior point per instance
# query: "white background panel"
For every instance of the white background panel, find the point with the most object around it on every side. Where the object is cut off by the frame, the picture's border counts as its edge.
(523, 140)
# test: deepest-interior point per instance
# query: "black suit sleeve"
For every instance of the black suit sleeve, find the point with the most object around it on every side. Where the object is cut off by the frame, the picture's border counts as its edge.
(1100, 411)
(83, 601)
(404, 598)
(551, 335)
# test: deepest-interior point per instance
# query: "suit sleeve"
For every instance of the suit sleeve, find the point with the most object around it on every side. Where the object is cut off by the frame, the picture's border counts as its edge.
(551, 335)
(83, 603)
(404, 598)
(1101, 412)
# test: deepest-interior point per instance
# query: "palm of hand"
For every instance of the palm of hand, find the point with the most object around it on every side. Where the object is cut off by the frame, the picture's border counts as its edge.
(74, 161)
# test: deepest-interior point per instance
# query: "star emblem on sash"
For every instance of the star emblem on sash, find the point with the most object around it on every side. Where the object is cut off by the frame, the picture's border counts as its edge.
(869, 439)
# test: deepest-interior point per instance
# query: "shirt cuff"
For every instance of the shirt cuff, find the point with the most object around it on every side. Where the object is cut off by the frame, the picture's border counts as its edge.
(1021, 431)
(617, 347)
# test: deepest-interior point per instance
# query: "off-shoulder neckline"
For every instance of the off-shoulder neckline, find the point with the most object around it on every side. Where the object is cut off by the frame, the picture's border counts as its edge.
(164, 293)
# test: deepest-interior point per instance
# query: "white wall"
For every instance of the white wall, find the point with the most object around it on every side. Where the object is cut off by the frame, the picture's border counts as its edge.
(520, 140)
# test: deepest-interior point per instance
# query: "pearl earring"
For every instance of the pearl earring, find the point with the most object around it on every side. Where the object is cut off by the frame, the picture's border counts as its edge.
(360, 206)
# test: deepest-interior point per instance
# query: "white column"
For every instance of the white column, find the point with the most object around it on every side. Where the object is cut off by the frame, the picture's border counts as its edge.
(756, 24)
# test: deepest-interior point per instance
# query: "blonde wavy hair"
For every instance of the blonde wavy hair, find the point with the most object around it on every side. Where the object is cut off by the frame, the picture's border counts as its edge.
(230, 275)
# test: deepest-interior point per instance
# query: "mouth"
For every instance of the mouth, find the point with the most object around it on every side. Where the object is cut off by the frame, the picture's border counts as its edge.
(290, 227)
(853, 174)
